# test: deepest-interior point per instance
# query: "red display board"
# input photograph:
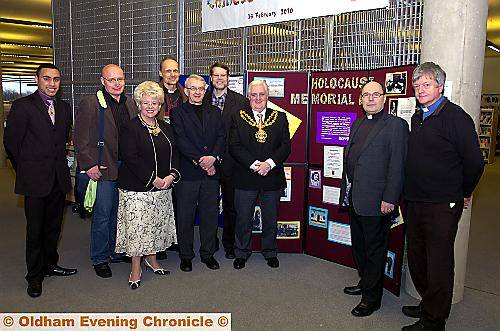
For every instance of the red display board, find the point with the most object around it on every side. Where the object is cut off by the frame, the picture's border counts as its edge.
(335, 104)
(289, 92)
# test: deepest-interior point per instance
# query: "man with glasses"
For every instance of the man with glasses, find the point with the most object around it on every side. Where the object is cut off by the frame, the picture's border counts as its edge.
(444, 166)
(174, 92)
(371, 187)
(200, 139)
(38, 127)
(229, 102)
(259, 141)
(99, 160)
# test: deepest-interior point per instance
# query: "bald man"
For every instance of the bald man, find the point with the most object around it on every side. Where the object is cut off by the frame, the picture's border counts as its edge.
(371, 187)
(98, 159)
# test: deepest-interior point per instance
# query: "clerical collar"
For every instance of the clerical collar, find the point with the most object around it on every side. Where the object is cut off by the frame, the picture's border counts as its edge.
(374, 116)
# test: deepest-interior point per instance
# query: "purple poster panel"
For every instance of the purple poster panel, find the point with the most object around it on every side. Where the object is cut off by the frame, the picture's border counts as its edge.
(333, 128)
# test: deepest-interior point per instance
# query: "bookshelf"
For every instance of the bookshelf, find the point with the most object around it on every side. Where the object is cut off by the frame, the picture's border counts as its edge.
(487, 132)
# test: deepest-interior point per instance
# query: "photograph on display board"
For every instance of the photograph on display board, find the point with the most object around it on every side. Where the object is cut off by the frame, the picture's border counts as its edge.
(389, 264)
(395, 83)
(339, 233)
(393, 107)
(331, 195)
(286, 195)
(314, 178)
(288, 230)
(276, 86)
(257, 220)
(318, 217)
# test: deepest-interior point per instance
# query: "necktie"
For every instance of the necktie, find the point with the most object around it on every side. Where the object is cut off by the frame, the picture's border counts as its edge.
(52, 111)
(260, 120)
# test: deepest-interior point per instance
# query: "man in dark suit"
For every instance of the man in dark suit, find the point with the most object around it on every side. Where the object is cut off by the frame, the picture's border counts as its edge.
(229, 102)
(371, 186)
(200, 139)
(37, 130)
(259, 141)
(101, 163)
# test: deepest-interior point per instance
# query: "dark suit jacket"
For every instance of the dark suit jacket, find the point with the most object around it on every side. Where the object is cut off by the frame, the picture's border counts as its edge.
(379, 172)
(234, 103)
(36, 147)
(195, 140)
(86, 135)
(141, 160)
(245, 149)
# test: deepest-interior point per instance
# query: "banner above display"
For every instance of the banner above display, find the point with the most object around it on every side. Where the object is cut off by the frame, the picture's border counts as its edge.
(229, 14)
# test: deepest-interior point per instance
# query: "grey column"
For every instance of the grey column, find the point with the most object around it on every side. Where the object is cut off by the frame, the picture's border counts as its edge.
(3, 159)
(454, 36)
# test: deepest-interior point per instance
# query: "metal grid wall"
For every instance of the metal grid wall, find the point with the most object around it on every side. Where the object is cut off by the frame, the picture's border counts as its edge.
(137, 34)
(377, 38)
(148, 32)
(203, 49)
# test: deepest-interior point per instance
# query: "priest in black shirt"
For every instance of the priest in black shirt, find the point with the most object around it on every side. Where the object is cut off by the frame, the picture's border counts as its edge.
(371, 187)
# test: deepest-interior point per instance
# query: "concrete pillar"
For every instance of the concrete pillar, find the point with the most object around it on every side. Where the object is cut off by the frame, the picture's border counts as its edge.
(454, 36)
(3, 157)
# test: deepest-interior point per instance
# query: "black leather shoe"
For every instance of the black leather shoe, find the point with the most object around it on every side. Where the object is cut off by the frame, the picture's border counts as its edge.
(161, 255)
(352, 290)
(121, 259)
(34, 288)
(211, 263)
(103, 270)
(239, 263)
(186, 265)
(273, 262)
(365, 309)
(173, 248)
(230, 254)
(419, 326)
(412, 311)
(60, 271)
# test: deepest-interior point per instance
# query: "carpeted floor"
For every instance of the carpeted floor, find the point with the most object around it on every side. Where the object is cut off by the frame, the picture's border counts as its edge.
(305, 293)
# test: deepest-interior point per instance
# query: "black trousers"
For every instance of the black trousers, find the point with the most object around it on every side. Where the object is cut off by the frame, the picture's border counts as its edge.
(370, 241)
(229, 212)
(432, 228)
(204, 194)
(245, 202)
(43, 227)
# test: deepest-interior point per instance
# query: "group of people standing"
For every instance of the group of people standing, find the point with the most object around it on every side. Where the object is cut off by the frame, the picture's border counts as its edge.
(435, 166)
(162, 155)
(159, 158)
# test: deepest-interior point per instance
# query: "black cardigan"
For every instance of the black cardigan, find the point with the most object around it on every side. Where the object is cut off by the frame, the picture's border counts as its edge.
(444, 162)
(139, 156)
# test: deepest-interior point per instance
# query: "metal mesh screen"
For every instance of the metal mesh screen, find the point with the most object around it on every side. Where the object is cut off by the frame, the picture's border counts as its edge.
(203, 49)
(137, 34)
(148, 32)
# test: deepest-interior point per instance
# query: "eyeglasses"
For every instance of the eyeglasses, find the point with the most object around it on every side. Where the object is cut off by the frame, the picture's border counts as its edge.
(196, 89)
(425, 86)
(374, 95)
(151, 103)
(114, 80)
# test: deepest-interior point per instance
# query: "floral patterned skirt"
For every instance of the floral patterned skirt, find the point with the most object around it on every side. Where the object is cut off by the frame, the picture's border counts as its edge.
(145, 222)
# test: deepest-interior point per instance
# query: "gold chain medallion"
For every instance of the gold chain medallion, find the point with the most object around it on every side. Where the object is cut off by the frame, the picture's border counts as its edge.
(260, 135)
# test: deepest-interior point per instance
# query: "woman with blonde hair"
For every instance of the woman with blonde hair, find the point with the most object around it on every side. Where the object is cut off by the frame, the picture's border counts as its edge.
(149, 169)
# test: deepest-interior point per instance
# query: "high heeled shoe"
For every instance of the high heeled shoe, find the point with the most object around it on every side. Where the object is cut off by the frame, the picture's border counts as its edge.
(134, 284)
(159, 271)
